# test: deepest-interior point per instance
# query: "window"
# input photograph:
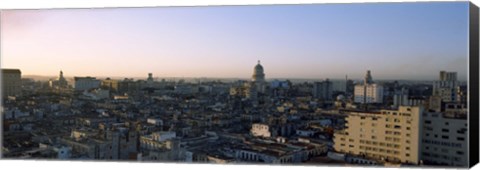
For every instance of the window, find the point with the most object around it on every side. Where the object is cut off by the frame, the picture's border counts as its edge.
(407, 155)
(446, 123)
(408, 128)
(407, 148)
(428, 122)
(460, 138)
(460, 152)
(445, 130)
(444, 137)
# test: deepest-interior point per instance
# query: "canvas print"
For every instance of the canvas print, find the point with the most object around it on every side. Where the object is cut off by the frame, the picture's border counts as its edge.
(367, 84)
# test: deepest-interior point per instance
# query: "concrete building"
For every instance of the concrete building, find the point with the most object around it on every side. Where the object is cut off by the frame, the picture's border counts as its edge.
(86, 83)
(260, 130)
(368, 92)
(445, 137)
(258, 78)
(323, 90)
(446, 86)
(11, 82)
(110, 84)
(386, 135)
(59, 83)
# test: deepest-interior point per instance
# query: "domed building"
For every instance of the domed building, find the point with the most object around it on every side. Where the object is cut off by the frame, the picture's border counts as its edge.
(258, 75)
(257, 86)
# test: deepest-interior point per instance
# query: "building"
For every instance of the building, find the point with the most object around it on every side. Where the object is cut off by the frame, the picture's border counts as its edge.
(445, 88)
(445, 137)
(368, 92)
(86, 83)
(258, 78)
(110, 84)
(150, 80)
(11, 82)
(260, 130)
(323, 90)
(59, 83)
(258, 74)
(386, 135)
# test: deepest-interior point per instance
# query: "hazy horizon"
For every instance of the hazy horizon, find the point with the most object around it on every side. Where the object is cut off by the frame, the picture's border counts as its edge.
(405, 41)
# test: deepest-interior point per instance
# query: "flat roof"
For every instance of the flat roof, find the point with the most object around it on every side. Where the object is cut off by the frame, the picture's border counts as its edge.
(11, 71)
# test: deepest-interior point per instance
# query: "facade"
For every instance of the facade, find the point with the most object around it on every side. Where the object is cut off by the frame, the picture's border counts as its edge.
(260, 130)
(445, 88)
(11, 82)
(86, 83)
(110, 84)
(386, 135)
(323, 90)
(368, 92)
(258, 78)
(445, 137)
(60, 83)
(258, 74)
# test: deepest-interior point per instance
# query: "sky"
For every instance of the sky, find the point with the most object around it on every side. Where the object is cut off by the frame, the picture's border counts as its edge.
(393, 40)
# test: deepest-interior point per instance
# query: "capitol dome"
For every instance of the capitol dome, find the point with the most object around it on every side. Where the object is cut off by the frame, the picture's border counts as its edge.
(340, 97)
(258, 75)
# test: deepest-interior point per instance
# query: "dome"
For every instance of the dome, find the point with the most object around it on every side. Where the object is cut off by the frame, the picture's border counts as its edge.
(340, 97)
(259, 68)
(258, 75)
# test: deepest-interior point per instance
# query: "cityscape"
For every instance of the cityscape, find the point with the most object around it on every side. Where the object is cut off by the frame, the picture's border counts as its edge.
(294, 108)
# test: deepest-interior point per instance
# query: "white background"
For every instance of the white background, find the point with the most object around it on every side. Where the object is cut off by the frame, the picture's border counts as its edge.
(69, 165)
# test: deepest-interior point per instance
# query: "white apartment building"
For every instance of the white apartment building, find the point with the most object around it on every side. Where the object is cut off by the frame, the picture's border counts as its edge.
(385, 135)
(368, 93)
(86, 83)
(445, 87)
(445, 139)
(261, 130)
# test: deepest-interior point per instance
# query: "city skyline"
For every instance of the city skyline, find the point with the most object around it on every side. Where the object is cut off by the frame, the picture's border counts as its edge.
(410, 41)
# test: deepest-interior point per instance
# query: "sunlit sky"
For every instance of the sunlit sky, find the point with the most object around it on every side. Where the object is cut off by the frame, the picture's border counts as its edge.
(394, 40)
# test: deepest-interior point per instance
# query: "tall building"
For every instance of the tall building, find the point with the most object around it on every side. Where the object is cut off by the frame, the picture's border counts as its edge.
(258, 78)
(445, 88)
(448, 76)
(258, 74)
(386, 135)
(11, 82)
(150, 80)
(86, 83)
(323, 90)
(368, 92)
(60, 82)
(445, 137)
(110, 84)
